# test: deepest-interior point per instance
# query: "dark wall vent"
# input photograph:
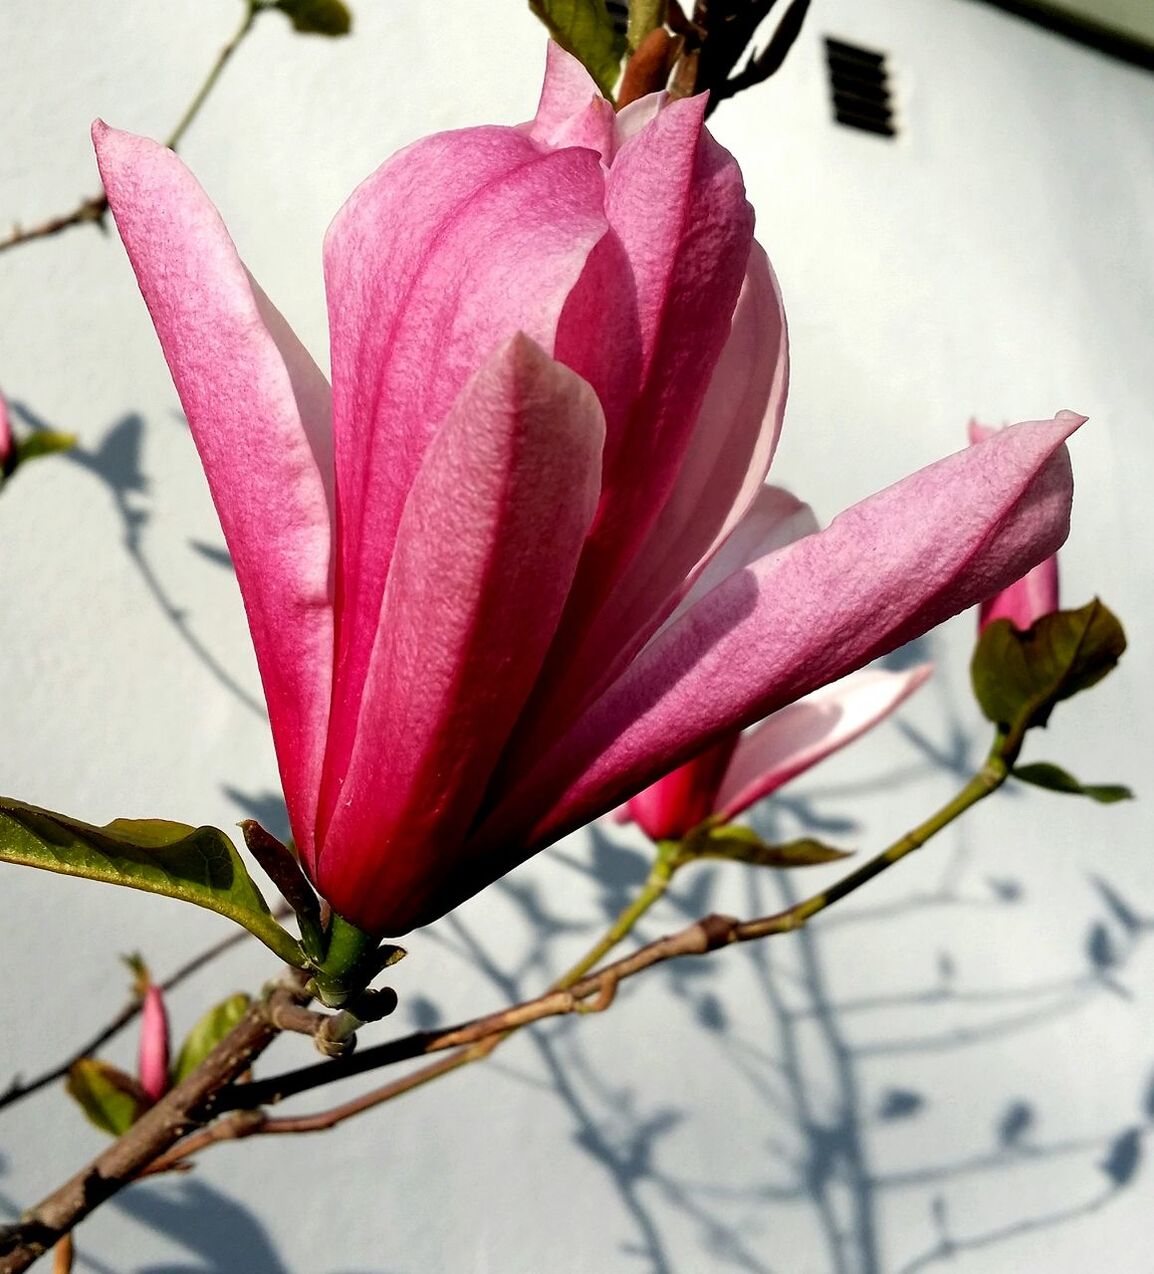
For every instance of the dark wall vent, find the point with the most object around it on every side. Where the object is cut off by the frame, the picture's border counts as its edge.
(860, 85)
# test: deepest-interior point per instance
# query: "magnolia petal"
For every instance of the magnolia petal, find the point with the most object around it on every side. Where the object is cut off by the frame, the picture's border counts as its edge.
(5, 432)
(882, 573)
(1035, 594)
(258, 408)
(675, 200)
(436, 260)
(799, 736)
(774, 519)
(485, 556)
(573, 111)
(1026, 600)
(638, 115)
(724, 467)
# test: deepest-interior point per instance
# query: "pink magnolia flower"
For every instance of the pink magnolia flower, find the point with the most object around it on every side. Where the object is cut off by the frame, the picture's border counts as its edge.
(1027, 599)
(152, 1067)
(742, 769)
(558, 374)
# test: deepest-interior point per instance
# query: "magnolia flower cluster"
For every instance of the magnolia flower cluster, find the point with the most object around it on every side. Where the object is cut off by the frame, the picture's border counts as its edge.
(516, 560)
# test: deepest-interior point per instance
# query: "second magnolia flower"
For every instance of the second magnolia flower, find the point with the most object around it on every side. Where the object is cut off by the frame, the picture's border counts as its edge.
(518, 561)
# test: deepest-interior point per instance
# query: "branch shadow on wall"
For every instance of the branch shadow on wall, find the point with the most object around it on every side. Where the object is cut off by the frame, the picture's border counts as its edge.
(810, 1069)
(801, 1049)
(116, 462)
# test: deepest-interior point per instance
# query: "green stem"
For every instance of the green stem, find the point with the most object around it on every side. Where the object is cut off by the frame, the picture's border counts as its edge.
(346, 967)
(651, 892)
(193, 109)
(988, 779)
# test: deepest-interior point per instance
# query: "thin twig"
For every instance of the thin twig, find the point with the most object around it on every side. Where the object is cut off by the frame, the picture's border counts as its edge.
(179, 1125)
(586, 992)
(96, 208)
(63, 1256)
(176, 1115)
(20, 1089)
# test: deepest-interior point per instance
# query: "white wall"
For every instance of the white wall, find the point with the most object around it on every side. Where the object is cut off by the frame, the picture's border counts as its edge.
(807, 1107)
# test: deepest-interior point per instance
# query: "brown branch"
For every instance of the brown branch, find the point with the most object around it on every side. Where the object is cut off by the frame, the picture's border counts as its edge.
(180, 1124)
(176, 1115)
(96, 208)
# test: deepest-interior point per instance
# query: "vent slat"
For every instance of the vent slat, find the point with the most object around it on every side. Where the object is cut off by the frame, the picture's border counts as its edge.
(859, 88)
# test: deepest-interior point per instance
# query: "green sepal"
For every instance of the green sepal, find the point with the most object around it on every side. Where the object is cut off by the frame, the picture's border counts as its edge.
(742, 844)
(1019, 677)
(352, 959)
(317, 17)
(645, 16)
(283, 868)
(1054, 779)
(135, 963)
(207, 1034)
(195, 864)
(112, 1100)
(585, 29)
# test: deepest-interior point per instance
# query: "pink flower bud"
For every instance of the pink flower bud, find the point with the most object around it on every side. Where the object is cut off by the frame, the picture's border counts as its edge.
(153, 1059)
(673, 806)
(741, 770)
(6, 442)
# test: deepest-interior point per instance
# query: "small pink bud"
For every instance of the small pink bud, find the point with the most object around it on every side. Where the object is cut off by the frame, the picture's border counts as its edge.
(153, 1065)
(1029, 598)
(673, 806)
(6, 446)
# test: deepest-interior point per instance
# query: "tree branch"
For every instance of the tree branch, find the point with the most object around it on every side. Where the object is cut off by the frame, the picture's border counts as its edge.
(180, 1124)
(96, 208)
(19, 1088)
(176, 1115)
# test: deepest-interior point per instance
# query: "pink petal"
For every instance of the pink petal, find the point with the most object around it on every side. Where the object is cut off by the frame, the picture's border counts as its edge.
(799, 736)
(258, 409)
(5, 433)
(676, 202)
(152, 1066)
(1035, 594)
(722, 471)
(572, 110)
(485, 556)
(774, 519)
(1026, 600)
(882, 573)
(441, 256)
(673, 806)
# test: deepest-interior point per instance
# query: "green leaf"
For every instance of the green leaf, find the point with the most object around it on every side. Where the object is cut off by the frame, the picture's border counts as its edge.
(585, 29)
(112, 1100)
(208, 1033)
(742, 844)
(1055, 779)
(44, 442)
(645, 16)
(317, 17)
(1019, 676)
(197, 864)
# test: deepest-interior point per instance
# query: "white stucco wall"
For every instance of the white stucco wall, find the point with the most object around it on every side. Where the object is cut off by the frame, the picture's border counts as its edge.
(934, 1075)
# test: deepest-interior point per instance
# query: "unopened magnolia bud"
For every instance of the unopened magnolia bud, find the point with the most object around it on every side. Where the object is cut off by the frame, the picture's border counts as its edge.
(153, 1063)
